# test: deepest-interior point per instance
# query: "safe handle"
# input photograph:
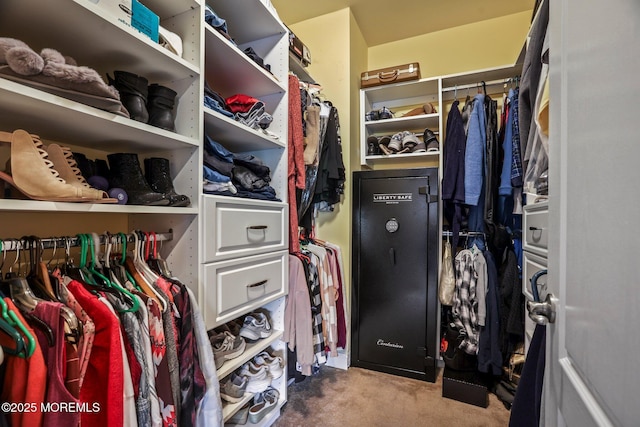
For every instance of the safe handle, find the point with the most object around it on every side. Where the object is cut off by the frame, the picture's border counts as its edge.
(392, 256)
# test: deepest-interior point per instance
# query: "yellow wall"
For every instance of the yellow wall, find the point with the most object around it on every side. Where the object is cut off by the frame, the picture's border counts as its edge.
(470, 47)
(337, 57)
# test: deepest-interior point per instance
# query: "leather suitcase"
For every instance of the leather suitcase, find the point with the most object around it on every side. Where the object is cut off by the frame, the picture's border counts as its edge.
(299, 49)
(383, 76)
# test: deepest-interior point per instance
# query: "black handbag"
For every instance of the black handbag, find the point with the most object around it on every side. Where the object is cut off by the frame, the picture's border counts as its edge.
(454, 357)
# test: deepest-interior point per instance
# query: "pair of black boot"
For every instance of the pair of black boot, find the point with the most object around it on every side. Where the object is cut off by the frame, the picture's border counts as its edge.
(152, 104)
(153, 188)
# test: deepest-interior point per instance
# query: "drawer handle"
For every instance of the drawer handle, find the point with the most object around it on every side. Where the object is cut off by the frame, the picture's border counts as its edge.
(257, 227)
(255, 285)
(535, 229)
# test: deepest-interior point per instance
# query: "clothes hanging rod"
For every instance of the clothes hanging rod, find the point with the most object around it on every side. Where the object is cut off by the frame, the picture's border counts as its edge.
(479, 84)
(72, 241)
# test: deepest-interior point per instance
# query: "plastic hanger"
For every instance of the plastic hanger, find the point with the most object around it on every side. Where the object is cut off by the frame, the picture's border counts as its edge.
(156, 263)
(124, 273)
(135, 305)
(12, 319)
(19, 289)
(42, 326)
(38, 276)
(134, 266)
(7, 328)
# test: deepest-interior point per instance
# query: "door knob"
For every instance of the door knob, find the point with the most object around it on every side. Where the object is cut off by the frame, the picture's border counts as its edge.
(542, 312)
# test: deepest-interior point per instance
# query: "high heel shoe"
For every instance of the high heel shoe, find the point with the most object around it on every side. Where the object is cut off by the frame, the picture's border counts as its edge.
(33, 174)
(65, 164)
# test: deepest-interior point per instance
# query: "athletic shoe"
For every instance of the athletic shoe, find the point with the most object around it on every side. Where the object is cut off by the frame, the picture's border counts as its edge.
(273, 363)
(258, 377)
(431, 140)
(226, 346)
(255, 326)
(241, 417)
(395, 144)
(263, 403)
(233, 388)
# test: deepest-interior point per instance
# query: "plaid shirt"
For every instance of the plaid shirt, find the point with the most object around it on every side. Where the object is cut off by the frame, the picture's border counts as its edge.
(465, 303)
(516, 156)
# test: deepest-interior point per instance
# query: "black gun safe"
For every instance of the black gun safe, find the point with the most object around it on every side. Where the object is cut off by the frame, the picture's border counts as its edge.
(395, 272)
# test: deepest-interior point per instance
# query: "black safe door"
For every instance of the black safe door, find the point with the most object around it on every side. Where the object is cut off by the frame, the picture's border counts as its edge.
(395, 320)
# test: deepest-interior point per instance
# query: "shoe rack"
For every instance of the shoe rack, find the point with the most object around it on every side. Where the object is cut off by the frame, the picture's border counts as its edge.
(83, 31)
(245, 255)
(221, 246)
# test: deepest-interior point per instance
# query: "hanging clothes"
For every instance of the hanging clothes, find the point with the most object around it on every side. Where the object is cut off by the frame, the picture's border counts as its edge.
(25, 379)
(453, 190)
(106, 356)
(296, 169)
(331, 174)
(298, 331)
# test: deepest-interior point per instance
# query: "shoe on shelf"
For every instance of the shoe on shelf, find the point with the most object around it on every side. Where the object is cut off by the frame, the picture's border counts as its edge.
(134, 93)
(32, 172)
(126, 173)
(410, 140)
(160, 107)
(240, 417)
(157, 173)
(258, 377)
(66, 166)
(255, 326)
(273, 363)
(226, 347)
(263, 403)
(431, 140)
(233, 388)
(232, 326)
(395, 144)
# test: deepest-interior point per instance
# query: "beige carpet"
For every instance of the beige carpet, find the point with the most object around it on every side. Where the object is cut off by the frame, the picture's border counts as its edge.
(360, 397)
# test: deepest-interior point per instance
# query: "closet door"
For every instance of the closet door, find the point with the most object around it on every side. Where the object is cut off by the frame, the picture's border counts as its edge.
(395, 327)
(592, 370)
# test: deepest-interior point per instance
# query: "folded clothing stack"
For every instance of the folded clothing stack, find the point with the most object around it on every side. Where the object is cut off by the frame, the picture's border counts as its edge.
(249, 111)
(238, 175)
(212, 18)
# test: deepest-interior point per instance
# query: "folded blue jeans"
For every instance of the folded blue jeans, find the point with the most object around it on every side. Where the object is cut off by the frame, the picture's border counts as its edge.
(216, 149)
(215, 105)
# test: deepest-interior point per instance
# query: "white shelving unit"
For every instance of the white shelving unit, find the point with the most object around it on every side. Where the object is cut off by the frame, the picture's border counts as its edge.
(244, 247)
(399, 97)
(439, 91)
(83, 31)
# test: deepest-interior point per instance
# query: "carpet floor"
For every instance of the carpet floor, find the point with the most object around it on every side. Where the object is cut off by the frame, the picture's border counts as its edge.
(360, 397)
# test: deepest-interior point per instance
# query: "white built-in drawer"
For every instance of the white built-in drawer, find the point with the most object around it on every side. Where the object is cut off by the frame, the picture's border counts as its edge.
(536, 228)
(232, 288)
(234, 228)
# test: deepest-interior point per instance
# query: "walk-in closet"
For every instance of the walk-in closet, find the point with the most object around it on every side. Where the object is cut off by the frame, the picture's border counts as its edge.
(272, 213)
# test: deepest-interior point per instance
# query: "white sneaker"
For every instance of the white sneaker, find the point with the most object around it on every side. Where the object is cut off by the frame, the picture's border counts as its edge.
(263, 403)
(255, 326)
(259, 378)
(273, 363)
(226, 346)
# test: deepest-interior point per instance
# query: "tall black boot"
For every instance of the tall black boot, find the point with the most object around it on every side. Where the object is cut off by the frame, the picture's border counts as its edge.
(87, 166)
(133, 91)
(159, 178)
(160, 107)
(126, 173)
